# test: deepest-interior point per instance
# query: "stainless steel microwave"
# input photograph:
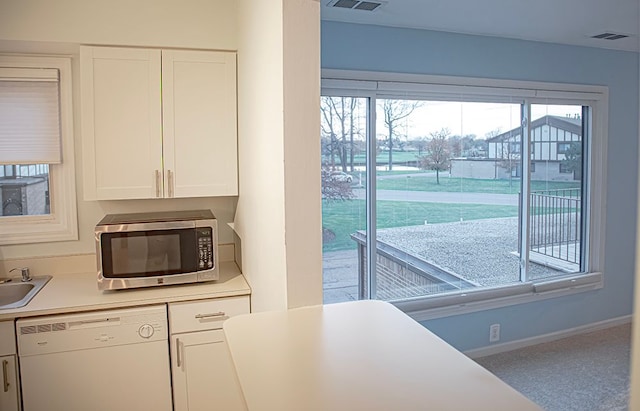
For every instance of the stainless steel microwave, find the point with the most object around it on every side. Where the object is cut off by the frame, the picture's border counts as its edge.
(159, 248)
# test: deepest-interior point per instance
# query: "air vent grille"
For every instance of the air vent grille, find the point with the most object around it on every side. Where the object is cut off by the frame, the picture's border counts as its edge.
(42, 328)
(367, 5)
(30, 329)
(59, 326)
(346, 4)
(610, 36)
(356, 5)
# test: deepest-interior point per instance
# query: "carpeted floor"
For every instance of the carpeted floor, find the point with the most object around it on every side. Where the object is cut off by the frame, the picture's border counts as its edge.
(589, 372)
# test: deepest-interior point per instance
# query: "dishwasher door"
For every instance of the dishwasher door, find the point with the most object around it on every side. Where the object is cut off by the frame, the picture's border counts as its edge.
(103, 361)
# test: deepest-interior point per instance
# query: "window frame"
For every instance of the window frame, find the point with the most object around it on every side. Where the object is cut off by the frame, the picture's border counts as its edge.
(375, 85)
(62, 222)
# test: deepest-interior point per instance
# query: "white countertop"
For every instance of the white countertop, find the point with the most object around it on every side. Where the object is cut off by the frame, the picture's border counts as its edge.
(79, 292)
(362, 355)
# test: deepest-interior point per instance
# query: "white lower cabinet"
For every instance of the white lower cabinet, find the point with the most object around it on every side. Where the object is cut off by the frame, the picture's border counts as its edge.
(203, 374)
(9, 392)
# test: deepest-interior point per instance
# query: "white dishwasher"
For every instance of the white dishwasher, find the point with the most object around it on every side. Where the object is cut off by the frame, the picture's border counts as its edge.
(100, 361)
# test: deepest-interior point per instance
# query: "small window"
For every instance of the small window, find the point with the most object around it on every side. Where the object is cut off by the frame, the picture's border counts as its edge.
(24, 190)
(565, 169)
(37, 177)
(563, 148)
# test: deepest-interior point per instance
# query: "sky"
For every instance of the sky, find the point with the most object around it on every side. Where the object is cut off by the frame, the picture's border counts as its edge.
(463, 118)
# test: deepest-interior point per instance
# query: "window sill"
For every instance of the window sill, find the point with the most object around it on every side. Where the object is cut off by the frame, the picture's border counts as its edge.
(37, 229)
(422, 309)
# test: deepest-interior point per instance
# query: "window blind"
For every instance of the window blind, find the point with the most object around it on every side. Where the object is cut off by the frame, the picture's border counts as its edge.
(29, 116)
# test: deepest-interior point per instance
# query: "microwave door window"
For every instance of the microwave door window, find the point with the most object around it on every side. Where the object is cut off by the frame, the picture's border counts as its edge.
(163, 254)
(129, 255)
(145, 255)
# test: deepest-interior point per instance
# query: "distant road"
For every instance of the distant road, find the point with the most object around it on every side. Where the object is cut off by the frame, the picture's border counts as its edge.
(441, 197)
(396, 176)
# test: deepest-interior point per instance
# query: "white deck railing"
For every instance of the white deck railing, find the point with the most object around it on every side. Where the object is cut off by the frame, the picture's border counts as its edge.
(556, 224)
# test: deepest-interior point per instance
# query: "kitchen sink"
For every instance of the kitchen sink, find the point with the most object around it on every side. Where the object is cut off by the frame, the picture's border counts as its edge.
(15, 293)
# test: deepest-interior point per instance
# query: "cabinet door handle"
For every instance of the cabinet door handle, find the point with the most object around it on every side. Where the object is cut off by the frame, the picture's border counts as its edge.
(158, 182)
(170, 183)
(5, 374)
(210, 315)
(178, 353)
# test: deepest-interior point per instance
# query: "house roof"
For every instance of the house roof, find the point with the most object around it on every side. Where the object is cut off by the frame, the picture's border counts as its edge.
(570, 124)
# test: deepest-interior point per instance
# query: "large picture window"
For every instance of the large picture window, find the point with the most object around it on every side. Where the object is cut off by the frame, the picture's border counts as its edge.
(433, 194)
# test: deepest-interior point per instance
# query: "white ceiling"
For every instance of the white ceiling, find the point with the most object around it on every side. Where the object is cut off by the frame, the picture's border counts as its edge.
(555, 21)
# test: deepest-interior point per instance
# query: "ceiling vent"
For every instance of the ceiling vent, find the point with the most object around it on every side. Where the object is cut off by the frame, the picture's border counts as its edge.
(610, 36)
(356, 5)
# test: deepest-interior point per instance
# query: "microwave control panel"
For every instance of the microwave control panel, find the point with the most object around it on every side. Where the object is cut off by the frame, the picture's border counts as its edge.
(205, 248)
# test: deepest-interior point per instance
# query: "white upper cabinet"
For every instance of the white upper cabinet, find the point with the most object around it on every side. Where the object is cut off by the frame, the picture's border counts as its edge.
(158, 123)
(121, 122)
(199, 123)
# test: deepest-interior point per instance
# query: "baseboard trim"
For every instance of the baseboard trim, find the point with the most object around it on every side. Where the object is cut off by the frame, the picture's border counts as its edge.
(539, 339)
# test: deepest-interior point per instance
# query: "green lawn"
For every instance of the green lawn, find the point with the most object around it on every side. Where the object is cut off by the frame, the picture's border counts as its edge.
(382, 173)
(346, 217)
(398, 157)
(465, 185)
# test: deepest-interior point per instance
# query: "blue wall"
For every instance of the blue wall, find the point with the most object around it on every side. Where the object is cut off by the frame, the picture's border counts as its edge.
(373, 48)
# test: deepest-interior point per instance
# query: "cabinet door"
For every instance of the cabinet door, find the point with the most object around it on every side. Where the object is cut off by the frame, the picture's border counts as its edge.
(204, 377)
(9, 381)
(121, 123)
(199, 123)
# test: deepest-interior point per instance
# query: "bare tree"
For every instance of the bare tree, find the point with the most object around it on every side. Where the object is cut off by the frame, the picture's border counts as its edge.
(492, 133)
(394, 111)
(438, 153)
(328, 131)
(339, 129)
(510, 158)
(455, 143)
(420, 144)
(352, 132)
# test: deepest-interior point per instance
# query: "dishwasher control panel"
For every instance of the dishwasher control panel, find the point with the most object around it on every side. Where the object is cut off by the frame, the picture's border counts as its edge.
(58, 333)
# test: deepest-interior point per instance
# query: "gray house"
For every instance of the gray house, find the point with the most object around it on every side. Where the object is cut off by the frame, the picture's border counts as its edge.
(554, 141)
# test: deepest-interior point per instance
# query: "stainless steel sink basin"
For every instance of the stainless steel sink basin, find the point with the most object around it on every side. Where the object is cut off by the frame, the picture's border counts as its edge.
(14, 293)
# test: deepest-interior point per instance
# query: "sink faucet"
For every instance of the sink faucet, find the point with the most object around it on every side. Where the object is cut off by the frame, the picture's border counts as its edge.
(25, 273)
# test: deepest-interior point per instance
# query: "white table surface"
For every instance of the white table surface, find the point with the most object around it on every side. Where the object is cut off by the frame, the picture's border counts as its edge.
(362, 355)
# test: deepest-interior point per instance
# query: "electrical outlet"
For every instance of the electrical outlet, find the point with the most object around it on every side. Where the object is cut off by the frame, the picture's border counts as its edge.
(494, 332)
